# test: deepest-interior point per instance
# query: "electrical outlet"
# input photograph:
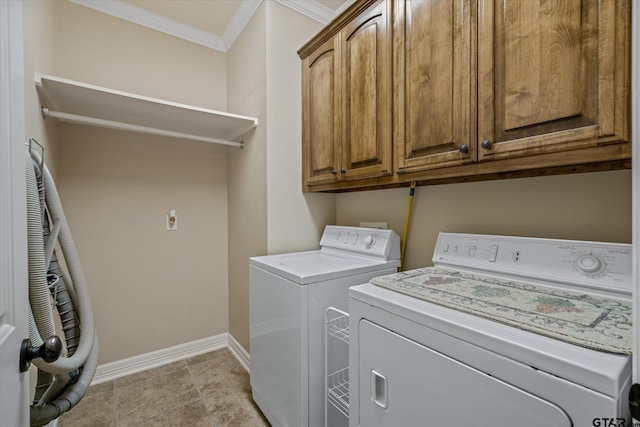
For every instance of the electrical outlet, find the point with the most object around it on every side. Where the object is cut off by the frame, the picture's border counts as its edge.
(381, 225)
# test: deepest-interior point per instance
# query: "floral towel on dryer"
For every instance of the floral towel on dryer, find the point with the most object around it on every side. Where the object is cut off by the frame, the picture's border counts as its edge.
(590, 321)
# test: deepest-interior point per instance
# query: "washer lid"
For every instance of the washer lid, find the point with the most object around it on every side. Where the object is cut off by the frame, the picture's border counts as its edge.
(317, 266)
(596, 370)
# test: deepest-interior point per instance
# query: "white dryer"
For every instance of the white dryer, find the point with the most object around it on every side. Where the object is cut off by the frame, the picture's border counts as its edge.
(289, 295)
(414, 362)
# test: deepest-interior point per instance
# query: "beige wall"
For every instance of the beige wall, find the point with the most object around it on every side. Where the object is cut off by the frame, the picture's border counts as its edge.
(247, 169)
(267, 211)
(99, 49)
(150, 288)
(39, 56)
(295, 220)
(591, 206)
(259, 202)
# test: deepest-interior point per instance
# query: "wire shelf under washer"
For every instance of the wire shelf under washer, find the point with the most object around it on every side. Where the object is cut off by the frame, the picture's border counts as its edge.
(336, 368)
(338, 324)
(338, 390)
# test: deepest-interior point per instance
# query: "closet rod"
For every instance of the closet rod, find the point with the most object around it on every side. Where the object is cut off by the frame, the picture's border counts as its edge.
(75, 118)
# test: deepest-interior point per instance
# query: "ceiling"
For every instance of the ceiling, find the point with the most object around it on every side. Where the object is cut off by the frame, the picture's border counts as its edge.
(210, 16)
(212, 23)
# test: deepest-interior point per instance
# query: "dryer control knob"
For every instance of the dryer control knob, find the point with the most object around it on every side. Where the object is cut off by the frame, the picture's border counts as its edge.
(590, 264)
(369, 240)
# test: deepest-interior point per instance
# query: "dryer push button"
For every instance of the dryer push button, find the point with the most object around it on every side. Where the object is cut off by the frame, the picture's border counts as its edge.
(493, 255)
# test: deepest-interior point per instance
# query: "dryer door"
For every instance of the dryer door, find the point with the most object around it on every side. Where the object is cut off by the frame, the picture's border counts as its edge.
(429, 388)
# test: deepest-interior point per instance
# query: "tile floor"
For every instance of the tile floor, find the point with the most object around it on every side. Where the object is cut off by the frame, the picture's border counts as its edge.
(208, 390)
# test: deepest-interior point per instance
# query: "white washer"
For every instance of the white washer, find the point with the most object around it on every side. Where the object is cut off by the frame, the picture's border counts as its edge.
(414, 363)
(289, 295)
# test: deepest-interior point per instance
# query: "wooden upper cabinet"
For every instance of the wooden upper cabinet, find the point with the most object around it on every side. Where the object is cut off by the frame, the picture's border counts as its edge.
(347, 98)
(552, 76)
(366, 94)
(436, 91)
(321, 114)
(434, 84)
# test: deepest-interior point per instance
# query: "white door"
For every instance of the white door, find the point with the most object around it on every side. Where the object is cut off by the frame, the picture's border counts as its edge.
(635, 134)
(14, 386)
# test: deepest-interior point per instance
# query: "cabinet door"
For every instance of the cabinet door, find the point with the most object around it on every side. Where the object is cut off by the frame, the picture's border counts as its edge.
(321, 114)
(366, 90)
(553, 75)
(435, 84)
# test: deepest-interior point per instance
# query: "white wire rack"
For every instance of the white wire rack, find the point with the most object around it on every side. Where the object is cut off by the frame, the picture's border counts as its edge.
(338, 325)
(336, 364)
(338, 390)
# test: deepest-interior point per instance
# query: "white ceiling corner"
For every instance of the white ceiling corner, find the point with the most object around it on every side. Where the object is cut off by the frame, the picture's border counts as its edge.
(146, 18)
(239, 21)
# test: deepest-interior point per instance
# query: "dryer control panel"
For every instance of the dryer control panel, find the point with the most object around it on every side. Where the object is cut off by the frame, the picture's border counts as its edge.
(372, 242)
(596, 265)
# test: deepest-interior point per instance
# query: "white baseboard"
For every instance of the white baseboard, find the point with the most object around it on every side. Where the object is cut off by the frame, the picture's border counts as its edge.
(131, 365)
(239, 352)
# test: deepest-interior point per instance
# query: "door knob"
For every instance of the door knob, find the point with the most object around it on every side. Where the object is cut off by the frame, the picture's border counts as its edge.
(464, 149)
(486, 144)
(49, 351)
(343, 170)
(334, 172)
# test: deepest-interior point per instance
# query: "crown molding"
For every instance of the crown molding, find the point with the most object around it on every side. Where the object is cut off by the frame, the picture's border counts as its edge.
(311, 9)
(154, 21)
(343, 7)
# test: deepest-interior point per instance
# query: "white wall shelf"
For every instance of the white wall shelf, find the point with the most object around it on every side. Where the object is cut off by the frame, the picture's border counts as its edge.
(77, 102)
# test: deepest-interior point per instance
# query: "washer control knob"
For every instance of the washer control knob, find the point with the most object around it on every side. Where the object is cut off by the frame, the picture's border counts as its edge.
(590, 264)
(369, 240)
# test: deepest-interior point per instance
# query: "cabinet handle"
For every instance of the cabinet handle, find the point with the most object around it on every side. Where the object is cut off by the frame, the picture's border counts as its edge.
(334, 172)
(486, 144)
(464, 149)
(379, 389)
(343, 171)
